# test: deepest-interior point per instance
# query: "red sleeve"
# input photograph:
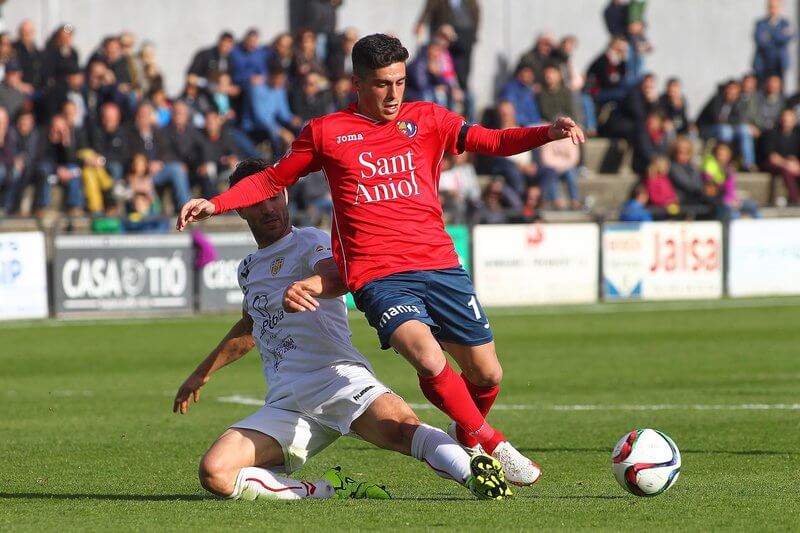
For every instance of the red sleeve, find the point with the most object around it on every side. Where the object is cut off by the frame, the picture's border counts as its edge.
(299, 160)
(505, 142)
(449, 125)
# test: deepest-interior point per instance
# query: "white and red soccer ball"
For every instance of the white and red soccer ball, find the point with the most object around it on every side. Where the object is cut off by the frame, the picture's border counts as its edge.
(646, 462)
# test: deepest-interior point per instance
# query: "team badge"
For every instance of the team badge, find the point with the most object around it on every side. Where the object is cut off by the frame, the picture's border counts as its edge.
(276, 265)
(407, 128)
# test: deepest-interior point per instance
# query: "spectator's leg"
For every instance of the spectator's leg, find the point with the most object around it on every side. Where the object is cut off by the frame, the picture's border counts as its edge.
(173, 174)
(116, 170)
(5, 186)
(724, 132)
(244, 144)
(589, 112)
(17, 183)
(746, 145)
(749, 207)
(570, 178)
(74, 187)
(92, 191)
(42, 196)
(511, 172)
(548, 181)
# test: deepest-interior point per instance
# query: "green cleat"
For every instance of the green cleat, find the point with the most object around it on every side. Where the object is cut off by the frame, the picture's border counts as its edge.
(487, 482)
(346, 487)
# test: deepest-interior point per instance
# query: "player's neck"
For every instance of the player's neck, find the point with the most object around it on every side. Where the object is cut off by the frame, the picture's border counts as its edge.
(365, 113)
(265, 241)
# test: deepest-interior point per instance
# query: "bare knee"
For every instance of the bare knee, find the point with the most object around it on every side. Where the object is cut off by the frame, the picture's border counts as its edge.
(489, 376)
(216, 476)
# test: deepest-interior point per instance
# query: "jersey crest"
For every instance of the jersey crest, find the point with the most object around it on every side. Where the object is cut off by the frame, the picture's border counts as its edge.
(407, 128)
(276, 265)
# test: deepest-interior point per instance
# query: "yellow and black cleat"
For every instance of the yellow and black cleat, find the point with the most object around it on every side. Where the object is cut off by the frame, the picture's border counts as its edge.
(487, 482)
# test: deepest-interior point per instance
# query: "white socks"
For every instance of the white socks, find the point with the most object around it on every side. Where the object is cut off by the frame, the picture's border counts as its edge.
(444, 455)
(253, 482)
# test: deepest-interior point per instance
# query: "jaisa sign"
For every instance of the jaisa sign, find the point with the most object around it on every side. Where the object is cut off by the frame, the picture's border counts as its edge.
(147, 273)
(662, 260)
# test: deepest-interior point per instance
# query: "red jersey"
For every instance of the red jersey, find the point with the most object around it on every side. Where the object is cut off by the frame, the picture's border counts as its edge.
(384, 180)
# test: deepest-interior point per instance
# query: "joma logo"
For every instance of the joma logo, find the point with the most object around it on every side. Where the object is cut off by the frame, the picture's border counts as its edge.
(349, 137)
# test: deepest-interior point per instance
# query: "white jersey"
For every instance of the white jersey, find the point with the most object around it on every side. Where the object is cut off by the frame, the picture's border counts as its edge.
(293, 345)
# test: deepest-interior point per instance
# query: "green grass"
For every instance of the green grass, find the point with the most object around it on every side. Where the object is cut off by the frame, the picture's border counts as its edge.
(88, 440)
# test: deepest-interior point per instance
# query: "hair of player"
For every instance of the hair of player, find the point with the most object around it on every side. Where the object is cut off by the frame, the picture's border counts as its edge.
(247, 167)
(377, 51)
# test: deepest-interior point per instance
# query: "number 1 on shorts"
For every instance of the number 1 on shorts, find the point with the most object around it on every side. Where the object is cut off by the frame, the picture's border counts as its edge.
(473, 303)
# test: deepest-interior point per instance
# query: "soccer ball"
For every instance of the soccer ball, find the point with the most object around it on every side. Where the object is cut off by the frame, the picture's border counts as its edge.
(646, 462)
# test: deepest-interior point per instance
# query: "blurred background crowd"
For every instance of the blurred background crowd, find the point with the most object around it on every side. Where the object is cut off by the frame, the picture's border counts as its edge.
(100, 136)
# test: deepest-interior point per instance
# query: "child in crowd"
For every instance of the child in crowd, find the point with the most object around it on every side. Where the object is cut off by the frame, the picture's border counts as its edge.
(720, 182)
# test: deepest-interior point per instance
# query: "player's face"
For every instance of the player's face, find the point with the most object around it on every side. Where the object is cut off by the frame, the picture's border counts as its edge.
(268, 219)
(380, 92)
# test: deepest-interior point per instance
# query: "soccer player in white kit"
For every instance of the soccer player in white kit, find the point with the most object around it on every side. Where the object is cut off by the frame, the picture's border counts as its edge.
(320, 386)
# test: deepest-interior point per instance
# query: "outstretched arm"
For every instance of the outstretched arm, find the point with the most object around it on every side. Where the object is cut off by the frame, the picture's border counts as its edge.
(517, 140)
(325, 283)
(299, 160)
(231, 348)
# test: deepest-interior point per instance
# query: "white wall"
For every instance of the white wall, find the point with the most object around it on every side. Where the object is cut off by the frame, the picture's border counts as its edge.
(700, 41)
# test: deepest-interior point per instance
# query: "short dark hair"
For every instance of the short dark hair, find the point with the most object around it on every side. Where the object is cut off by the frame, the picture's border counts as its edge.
(225, 36)
(246, 167)
(377, 51)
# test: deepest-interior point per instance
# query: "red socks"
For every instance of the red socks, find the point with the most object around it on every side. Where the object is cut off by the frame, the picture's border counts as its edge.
(450, 394)
(484, 398)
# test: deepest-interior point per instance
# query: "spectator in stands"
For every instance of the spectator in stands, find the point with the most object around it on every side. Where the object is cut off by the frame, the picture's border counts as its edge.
(78, 132)
(218, 155)
(663, 200)
(144, 137)
(555, 100)
(185, 141)
(281, 53)
(223, 93)
(162, 107)
(519, 92)
(199, 99)
(425, 79)
(575, 81)
(719, 174)
(319, 16)
(343, 94)
(498, 203)
(459, 189)
(100, 89)
(25, 138)
(529, 212)
(143, 206)
(29, 56)
(97, 183)
(673, 104)
(722, 119)
(6, 51)
(606, 77)
(772, 37)
(127, 43)
(110, 53)
(782, 152)
(11, 96)
(518, 170)
(687, 180)
(147, 72)
(771, 103)
(651, 141)
(639, 44)
(269, 115)
(750, 102)
(8, 171)
(464, 17)
(615, 16)
(312, 100)
(60, 58)
(209, 63)
(108, 140)
(306, 59)
(339, 61)
(541, 55)
(558, 162)
(249, 62)
(627, 119)
(635, 209)
(53, 98)
(58, 164)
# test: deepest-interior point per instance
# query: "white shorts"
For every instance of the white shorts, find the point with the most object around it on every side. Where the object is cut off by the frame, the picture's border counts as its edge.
(322, 408)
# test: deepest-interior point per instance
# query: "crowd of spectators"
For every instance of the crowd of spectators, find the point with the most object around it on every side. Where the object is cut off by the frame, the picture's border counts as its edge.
(106, 132)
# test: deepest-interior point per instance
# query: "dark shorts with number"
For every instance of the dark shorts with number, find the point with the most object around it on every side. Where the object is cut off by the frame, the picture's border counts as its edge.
(443, 299)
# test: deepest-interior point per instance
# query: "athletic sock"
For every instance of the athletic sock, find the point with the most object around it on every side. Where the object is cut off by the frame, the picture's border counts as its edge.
(484, 398)
(448, 392)
(444, 455)
(253, 482)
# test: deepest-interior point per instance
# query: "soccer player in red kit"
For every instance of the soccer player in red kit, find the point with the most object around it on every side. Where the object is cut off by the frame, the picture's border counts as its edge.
(382, 159)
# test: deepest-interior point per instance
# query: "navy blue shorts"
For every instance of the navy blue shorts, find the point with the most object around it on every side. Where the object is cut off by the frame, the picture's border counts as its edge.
(443, 299)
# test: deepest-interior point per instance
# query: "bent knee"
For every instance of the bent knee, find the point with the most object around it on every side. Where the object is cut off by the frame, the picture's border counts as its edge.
(216, 477)
(486, 377)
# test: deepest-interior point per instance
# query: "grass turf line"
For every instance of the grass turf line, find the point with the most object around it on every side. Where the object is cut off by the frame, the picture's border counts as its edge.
(89, 441)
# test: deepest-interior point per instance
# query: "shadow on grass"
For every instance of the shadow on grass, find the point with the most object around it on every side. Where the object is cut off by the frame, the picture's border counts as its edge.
(683, 452)
(111, 497)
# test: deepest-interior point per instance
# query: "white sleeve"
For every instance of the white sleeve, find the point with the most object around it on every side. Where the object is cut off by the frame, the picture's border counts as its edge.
(241, 277)
(317, 247)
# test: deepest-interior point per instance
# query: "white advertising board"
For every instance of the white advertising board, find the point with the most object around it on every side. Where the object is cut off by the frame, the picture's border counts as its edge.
(662, 261)
(23, 276)
(764, 257)
(536, 263)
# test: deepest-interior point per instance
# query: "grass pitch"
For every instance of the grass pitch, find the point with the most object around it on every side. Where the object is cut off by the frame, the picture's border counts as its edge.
(88, 440)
